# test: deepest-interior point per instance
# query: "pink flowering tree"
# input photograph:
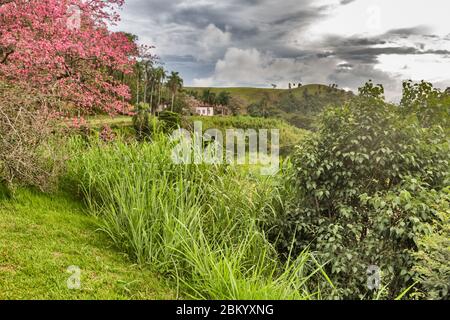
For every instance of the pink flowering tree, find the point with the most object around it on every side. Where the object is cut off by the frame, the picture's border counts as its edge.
(63, 48)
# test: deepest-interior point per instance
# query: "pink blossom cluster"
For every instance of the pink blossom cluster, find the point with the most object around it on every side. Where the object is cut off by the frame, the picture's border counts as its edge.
(39, 48)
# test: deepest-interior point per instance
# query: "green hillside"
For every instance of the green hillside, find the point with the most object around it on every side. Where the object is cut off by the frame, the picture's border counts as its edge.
(298, 106)
(254, 95)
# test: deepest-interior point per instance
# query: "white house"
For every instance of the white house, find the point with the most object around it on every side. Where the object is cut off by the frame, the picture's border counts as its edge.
(204, 111)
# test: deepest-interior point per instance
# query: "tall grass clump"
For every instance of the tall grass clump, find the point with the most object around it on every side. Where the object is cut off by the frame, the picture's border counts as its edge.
(199, 225)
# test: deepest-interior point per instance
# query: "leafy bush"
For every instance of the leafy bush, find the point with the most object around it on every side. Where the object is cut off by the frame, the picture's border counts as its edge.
(366, 186)
(428, 104)
(303, 121)
(171, 121)
(196, 224)
(141, 122)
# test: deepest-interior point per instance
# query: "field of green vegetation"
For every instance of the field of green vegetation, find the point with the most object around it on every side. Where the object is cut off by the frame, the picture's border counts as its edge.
(368, 189)
(298, 106)
(107, 191)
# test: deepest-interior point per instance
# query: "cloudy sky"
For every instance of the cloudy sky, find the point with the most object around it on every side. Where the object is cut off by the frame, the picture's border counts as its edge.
(260, 42)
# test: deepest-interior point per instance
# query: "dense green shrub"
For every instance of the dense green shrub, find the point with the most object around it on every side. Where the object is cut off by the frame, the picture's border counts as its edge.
(141, 122)
(171, 121)
(432, 267)
(430, 105)
(5, 192)
(367, 183)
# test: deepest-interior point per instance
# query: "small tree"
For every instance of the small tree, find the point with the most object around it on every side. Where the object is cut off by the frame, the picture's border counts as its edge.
(428, 104)
(367, 187)
(64, 48)
(174, 83)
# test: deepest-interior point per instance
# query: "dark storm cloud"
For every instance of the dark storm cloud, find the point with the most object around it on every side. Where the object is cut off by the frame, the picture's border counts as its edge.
(366, 50)
(246, 20)
(344, 2)
(418, 30)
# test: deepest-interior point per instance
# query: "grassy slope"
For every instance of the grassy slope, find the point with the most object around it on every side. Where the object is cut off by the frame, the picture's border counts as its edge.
(41, 236)
(254, 95)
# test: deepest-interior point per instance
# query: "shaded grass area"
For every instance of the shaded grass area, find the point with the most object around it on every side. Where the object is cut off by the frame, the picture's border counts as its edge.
(42, 235)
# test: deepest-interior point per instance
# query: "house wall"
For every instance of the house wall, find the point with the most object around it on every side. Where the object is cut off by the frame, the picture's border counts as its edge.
(205, 111)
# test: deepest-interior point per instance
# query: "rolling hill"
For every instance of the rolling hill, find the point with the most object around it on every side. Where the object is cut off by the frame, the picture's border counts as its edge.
(254, 95)
(299, 106)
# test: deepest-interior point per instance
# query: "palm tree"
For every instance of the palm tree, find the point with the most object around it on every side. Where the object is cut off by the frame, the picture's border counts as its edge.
(224, 100)
(160, 76)
(138, 81)
(174, 83)
(205, 95)
(209, 97)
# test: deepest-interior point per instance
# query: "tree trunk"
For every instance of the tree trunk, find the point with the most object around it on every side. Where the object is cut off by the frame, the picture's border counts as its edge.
(151, 99)
(137, 86)
(145, 86)
(159, 92)
(173, 100)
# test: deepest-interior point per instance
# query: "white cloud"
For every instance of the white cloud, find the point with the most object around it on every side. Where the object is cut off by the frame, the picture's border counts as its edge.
(430, 67)
(375, 17)
(212, 42)
(250, 67)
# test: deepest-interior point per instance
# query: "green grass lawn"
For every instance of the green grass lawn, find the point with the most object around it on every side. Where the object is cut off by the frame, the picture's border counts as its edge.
(120, 121)
(41, 236)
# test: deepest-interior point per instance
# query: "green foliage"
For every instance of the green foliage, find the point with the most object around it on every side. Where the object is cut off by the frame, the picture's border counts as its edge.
(208, 97)
(432, 267)
(298, 106)
(365, 192)
(5, 192)
(142, 123)
(171, 121)
(307, 122)
(263, 109)
(428, 104)
(223, 98)
(369, 90)
(290, 136)
(175, 84)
